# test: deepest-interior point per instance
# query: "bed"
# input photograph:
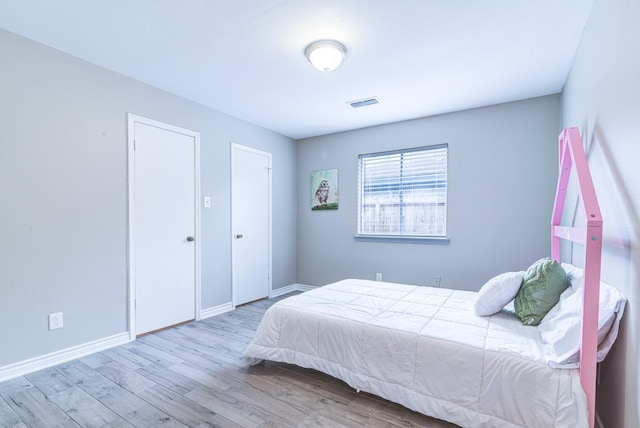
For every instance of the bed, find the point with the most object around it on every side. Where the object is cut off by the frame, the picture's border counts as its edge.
(427, 349)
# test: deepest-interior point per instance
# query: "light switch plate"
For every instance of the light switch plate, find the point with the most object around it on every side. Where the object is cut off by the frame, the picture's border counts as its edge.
(207, 201)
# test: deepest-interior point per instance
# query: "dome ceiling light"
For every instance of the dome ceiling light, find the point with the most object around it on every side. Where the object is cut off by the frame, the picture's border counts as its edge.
(325, 55)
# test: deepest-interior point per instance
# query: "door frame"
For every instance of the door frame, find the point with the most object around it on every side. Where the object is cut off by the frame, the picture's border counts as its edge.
(269, 156)
(132, 119)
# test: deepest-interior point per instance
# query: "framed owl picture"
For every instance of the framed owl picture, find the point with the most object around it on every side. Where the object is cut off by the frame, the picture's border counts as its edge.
(324, 189)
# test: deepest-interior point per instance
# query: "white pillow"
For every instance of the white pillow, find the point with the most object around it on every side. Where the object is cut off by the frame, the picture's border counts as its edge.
(575, 275)
(497, 292)
(560, 329)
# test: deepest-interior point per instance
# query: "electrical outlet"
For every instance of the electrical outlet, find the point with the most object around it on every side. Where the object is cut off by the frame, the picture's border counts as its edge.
(56, 321)
(378, 277)
(437, 280)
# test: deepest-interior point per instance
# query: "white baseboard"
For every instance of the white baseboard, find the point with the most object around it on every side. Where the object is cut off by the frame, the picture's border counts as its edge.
(31, 365)
(44, 361)
(290, 288)
(216, 310)
(226, 307)
(22, 368)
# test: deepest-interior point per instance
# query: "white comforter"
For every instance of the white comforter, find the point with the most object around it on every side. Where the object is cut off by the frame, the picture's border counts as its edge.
(424, 348)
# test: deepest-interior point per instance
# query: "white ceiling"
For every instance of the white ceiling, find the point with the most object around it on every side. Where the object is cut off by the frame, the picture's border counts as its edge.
(245, 57)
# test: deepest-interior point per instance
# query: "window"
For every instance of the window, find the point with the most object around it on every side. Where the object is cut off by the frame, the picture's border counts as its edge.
(403, 193)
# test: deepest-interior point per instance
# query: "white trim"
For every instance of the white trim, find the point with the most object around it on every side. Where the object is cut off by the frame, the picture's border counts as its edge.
(132, 119)
(290, 289)
(197, 225)
(269, 157)
(44, 361)
(216, 310)
(302, 287)
(131, 325)
(227, 307)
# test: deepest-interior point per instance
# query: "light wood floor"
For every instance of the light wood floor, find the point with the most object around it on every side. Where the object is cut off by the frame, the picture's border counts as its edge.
(193, 375)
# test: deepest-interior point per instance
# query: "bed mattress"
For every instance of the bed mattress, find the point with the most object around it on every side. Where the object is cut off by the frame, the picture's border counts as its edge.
(424, 348)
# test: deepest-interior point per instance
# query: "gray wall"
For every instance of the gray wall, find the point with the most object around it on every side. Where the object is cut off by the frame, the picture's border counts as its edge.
(63, 181)
(502, 175)
(602, 98)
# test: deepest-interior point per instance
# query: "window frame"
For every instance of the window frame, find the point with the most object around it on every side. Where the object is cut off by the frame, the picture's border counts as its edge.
(401, 237)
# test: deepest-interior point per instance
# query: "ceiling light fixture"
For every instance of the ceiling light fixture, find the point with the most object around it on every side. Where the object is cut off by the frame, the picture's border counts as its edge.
(325, 55)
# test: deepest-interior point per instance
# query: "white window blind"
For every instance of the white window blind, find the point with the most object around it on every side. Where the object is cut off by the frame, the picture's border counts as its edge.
(403, 193)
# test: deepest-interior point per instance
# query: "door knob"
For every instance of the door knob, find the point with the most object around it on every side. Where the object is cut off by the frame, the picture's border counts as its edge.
(190, 238)
(239, 235)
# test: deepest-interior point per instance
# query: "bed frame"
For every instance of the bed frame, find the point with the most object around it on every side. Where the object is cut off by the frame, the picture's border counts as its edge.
(590, 236)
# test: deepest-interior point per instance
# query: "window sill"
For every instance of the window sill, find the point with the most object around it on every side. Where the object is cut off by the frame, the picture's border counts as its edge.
(404, 239)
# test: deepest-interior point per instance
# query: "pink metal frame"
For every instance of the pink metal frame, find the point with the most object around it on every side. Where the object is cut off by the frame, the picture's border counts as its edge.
(590, 236)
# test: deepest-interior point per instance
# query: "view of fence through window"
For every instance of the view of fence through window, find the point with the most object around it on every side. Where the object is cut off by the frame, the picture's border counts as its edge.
(403, 192)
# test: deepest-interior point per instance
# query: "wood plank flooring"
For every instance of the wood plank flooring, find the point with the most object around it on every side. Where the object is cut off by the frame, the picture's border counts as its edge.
(193, 375)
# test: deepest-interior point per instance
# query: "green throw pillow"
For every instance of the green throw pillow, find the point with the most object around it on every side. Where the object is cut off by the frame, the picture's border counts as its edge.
(541, 287)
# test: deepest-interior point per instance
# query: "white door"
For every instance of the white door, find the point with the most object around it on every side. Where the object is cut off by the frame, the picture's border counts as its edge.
(163, 227)
(250, 223)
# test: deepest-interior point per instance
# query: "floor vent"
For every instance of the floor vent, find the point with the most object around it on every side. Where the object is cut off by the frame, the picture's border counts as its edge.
(364, 103)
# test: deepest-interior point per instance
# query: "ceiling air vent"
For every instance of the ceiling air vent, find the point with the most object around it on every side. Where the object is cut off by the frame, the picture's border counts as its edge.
(363, 103)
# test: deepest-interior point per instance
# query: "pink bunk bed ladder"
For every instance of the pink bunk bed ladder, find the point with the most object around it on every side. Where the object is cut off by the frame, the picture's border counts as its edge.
(590, 236)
